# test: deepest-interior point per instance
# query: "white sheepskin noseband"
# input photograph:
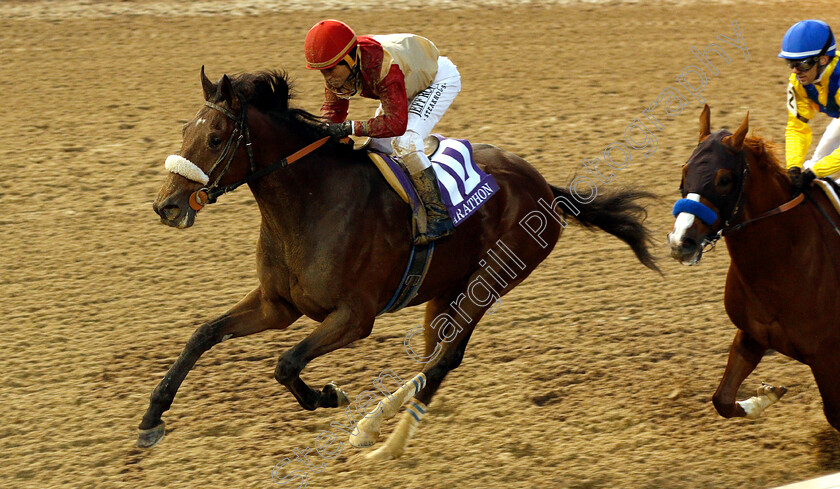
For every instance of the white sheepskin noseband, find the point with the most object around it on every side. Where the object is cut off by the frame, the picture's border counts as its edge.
(186, 168)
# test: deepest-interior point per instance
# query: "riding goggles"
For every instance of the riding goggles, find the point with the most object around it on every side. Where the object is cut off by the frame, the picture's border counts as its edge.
(803, 64)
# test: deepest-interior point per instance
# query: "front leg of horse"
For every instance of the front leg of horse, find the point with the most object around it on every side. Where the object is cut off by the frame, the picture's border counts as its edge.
(152, 427)
(339, 329)
(250, 316)
(744, 355)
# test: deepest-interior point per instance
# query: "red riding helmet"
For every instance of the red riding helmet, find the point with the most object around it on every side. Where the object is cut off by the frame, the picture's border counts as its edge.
(327, 43)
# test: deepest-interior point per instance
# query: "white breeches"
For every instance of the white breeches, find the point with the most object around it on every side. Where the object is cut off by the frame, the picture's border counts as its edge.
(828, 143)
(424, 112)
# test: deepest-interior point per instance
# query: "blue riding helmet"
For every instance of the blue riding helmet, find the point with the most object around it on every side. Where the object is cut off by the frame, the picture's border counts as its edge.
(808, 38)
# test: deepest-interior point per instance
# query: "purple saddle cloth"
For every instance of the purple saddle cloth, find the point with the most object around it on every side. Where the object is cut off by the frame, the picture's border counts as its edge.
(464, 188)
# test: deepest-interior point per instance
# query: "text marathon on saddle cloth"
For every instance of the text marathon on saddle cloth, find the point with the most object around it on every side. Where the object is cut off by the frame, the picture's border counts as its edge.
(463, 186)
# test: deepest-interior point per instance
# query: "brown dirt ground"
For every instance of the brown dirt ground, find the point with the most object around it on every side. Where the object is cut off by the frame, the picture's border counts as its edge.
(595, 373)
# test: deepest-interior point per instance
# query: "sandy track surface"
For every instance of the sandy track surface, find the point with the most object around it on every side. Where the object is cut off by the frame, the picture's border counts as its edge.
(62, 9)
(594, 373)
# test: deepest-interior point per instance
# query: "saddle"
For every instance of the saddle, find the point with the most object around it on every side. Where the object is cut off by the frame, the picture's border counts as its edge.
(831, 189)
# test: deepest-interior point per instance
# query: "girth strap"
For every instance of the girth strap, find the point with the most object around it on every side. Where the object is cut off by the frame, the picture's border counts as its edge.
(415, 272)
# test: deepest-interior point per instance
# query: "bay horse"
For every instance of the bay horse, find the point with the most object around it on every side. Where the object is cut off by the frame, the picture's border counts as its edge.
(335, 239)
(784, 276)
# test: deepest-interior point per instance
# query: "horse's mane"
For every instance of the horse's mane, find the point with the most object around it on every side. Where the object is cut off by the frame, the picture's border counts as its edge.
(766, 154)
(269, 92)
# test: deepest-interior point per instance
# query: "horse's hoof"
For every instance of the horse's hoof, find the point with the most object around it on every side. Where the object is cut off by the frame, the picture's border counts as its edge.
(336, 397)
(150, 437)
(382, 453)
(773, 393)
(363, 438)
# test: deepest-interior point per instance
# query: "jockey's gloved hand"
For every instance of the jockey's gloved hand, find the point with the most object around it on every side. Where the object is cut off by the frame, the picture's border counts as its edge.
(340, 130)
(800, 180)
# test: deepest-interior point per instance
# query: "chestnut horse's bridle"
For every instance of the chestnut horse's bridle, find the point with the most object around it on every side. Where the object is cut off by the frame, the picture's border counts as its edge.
(702, 211)
(209, 194)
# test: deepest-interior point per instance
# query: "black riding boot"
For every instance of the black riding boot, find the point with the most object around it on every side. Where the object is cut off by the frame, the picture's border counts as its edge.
(438, 222)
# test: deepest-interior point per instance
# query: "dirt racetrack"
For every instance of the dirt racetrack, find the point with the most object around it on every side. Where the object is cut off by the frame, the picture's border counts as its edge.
(594, 373)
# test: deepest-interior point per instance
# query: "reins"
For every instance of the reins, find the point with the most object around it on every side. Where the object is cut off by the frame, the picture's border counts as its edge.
(772, 212)
(208, 195)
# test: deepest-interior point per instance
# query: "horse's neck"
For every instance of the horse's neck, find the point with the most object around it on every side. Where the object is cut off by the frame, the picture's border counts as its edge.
(293, 198)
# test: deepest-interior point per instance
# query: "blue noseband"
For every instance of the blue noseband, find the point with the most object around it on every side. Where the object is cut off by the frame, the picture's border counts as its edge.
(693, 207)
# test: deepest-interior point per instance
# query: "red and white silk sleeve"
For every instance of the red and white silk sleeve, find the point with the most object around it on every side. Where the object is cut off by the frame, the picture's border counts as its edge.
(394, 118)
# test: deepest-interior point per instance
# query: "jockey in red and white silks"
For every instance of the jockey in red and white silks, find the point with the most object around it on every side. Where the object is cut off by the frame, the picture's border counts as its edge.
(415, 86)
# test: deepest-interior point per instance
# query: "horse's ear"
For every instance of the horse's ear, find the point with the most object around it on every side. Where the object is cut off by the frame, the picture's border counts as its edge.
(207, 85)
(705, 123)
(737, 139)
(226, 91)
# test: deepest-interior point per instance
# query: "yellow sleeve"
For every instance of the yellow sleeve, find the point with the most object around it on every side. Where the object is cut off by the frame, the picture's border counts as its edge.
(797, 141)
(798, 133)
(828, 165)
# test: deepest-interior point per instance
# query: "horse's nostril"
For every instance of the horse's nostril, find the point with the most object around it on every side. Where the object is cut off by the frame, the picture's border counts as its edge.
(170, 212)
(688, 245)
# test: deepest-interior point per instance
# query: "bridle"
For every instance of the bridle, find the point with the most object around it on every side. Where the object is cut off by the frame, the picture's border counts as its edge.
(209, 194)
(709, 242)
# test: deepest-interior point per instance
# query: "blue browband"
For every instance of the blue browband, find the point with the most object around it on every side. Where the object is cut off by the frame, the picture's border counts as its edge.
(702, 211)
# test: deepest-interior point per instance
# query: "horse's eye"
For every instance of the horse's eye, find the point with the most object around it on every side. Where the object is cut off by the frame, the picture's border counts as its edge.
(214, 141)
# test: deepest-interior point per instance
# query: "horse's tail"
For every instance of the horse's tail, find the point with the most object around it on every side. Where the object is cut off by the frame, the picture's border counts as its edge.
(619, 214)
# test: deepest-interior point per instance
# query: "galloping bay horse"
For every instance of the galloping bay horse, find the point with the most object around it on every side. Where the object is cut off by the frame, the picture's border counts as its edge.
(784, 277)
(335, 240)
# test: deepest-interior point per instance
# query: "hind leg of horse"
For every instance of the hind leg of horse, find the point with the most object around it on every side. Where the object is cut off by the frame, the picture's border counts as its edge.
(251, 315)
(744, 355)
(342, 327)
(443, 357)
(827, 375)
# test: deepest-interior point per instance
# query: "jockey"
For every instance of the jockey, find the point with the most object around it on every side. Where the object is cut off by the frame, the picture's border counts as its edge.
(414, 85)
(810, 49)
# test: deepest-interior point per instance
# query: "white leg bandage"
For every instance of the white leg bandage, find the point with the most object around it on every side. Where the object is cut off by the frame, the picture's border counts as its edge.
(186, 168)
(367, 429)
(765, 396)
(398, 441)
(755, 405)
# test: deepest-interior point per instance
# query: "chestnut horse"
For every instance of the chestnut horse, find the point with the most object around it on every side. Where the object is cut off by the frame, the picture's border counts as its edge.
(335, 240)
(784, 277)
